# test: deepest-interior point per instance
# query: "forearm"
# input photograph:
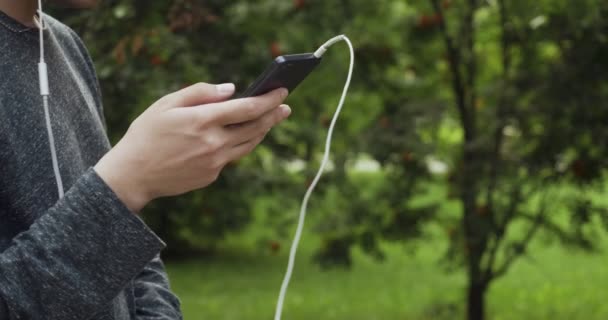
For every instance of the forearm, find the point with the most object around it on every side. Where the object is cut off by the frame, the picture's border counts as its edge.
(75, 258)
(153, 297)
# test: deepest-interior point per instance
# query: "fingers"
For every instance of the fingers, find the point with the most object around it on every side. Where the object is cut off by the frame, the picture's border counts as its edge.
(241, 133)
(200, 93)
(244, 110)
(244, 149)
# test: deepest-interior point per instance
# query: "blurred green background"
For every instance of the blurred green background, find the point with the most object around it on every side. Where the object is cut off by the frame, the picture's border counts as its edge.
(467, 178)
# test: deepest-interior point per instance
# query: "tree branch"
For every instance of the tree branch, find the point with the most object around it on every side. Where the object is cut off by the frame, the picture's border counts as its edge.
(495, 163)
(500, 228)
(454, 58)
(520, 248)
(471, 59)
(561, 233)
(512, 212)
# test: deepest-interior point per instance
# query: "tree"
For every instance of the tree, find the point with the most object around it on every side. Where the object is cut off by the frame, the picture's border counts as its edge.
(525, 79)
(501, 173)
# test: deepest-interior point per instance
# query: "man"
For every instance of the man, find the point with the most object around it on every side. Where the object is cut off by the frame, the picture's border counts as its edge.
(87, 255)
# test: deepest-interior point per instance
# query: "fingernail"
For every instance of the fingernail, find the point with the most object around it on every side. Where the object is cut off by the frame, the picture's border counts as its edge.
(284, 92)
(225, 88)
(285, 110)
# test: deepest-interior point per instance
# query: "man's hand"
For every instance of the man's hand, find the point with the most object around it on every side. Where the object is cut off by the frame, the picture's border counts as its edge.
(183, 141)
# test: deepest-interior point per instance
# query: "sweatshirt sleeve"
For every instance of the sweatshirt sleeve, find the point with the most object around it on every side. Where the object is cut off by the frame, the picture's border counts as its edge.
(76, 258)
(153, 297)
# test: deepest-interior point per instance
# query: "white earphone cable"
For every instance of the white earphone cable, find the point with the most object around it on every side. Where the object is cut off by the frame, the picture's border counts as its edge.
(300, 227)
(49, 130)
(45, 92)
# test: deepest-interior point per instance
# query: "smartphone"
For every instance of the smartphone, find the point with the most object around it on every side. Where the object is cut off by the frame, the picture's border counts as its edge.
(286, 71)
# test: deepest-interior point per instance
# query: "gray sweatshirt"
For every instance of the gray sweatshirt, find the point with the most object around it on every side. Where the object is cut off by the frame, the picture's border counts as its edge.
(85, 256)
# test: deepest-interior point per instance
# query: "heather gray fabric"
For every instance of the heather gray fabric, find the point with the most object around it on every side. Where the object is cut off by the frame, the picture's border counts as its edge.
(84, 256)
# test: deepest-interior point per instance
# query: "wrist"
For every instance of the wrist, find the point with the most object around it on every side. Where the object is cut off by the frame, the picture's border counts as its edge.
(123, 181)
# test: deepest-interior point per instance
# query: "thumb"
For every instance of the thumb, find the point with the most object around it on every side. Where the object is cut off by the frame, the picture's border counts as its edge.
(201, 93)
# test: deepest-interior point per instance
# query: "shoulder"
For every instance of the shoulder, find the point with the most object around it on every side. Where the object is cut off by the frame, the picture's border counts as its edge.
(75, 49)
(69, 39)
(61, 30)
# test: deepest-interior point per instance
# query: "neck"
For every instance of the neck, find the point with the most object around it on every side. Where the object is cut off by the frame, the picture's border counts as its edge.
(20, 10)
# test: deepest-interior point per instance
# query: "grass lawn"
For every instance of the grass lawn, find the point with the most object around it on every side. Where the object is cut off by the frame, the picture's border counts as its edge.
(550, 283)
(557, 284)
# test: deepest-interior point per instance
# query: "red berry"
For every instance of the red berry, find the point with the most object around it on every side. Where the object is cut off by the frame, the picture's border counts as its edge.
(156, 60)
(275, 49)
(385, 122)
(579, 168)
(423, 22)
(275, 246)
(325, 121)
(482, 210)
(429, 21)
(407, 156)
(299, 4)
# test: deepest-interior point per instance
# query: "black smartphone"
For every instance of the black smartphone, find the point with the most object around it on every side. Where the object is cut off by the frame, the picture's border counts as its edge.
(286, 71)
